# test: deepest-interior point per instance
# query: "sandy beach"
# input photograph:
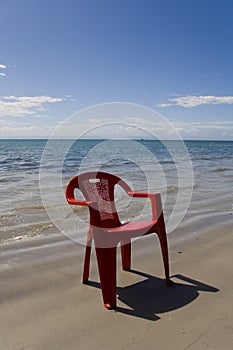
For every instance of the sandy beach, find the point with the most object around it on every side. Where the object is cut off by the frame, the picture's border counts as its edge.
(43, 304)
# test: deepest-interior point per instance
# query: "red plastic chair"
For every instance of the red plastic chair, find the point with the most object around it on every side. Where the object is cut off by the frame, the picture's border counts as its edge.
(107, 230)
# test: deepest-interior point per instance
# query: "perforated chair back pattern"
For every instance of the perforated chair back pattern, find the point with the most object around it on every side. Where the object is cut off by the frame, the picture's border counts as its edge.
(98, 188)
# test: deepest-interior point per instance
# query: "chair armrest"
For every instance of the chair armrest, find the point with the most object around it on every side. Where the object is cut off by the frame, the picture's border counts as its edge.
(72, 185)
(138, 194)
(74, 201)
(156, 204)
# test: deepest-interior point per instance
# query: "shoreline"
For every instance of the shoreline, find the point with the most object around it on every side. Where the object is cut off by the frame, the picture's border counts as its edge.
(190, 226)
(45, 306)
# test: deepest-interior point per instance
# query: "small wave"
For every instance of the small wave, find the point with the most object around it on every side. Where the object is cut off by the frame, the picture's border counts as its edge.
(219, 169)
(32, 206)
(7, 160)
(166, 162)
(79, 211)
(27, 232)
(4, 161)
(172, 189)
(11, 178)
(4, 180)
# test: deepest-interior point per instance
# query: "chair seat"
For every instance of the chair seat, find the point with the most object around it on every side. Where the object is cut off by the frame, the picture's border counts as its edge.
(136, 227)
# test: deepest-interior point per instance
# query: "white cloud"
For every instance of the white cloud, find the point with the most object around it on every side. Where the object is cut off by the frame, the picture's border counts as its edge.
(194, 101)
(25, 105)
(70, 98)
(2, 66)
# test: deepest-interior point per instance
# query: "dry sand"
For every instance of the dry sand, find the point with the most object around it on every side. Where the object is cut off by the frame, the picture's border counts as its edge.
(43, 304)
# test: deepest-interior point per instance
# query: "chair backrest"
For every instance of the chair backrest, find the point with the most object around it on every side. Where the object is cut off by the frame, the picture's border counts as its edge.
(98, 188)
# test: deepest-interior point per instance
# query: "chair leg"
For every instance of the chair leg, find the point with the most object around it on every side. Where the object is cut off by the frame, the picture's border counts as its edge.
(126, 255)
(106, 258)
(87, 261)
(87, 258)
(164, 247)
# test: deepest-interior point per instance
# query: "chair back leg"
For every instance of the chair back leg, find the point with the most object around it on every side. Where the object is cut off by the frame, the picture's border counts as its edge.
(126, 254)
(164, 247)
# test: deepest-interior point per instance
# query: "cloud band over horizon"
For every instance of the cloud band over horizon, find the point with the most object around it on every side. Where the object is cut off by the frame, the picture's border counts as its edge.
(191, 101)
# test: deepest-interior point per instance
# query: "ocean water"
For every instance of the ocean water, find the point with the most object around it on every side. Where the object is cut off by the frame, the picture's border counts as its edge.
(196, 182)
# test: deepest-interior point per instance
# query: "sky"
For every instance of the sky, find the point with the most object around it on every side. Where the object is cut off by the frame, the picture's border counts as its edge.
(172, 56)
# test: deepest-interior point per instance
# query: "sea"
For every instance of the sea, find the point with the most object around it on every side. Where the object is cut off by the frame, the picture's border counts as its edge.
(195, 179)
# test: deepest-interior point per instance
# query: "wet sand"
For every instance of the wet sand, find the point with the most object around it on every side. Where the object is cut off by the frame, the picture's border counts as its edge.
(43, 304)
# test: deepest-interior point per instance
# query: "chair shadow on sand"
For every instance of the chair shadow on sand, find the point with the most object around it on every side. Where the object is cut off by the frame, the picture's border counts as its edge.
(147, 298)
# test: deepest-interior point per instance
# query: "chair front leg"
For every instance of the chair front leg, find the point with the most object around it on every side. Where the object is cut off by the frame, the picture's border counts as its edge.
(106, 259)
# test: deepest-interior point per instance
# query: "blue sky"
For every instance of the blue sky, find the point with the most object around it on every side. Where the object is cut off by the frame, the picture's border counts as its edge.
(174, 56)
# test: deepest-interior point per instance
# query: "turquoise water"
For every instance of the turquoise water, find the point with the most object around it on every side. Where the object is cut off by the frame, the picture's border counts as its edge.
(26, 171)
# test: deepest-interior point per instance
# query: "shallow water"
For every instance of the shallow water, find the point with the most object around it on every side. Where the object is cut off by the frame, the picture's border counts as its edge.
(30, 178)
